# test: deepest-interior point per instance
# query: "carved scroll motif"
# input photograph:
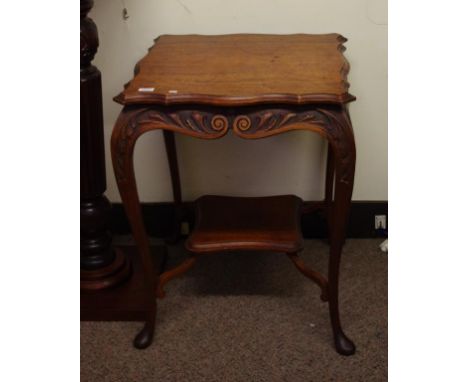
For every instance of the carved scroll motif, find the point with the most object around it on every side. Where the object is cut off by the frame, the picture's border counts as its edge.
(334, 123)
(191, 122)
(264, 123)
(200, 124)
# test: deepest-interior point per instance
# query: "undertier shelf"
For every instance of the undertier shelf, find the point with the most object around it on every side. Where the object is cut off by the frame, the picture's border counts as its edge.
(225, 223)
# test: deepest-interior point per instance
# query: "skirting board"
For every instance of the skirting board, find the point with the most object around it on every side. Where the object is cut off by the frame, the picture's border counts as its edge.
(159, 217)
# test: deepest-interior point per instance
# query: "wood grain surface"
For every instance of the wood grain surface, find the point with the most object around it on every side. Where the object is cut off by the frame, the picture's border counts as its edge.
(242, 69)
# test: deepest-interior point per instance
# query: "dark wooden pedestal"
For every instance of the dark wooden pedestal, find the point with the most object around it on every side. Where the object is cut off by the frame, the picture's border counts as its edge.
(129, 301)
(101, 266)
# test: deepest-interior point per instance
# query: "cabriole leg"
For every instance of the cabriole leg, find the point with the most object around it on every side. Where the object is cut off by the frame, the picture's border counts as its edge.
(124, 137)
(344, 155)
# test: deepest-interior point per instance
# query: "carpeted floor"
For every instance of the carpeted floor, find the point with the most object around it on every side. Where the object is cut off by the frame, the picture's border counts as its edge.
(252, 317)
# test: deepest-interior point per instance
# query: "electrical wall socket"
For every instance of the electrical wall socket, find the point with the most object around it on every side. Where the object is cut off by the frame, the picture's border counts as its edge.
(380, 221)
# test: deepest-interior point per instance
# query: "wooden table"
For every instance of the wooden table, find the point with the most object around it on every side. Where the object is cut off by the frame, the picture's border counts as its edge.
(255, 86)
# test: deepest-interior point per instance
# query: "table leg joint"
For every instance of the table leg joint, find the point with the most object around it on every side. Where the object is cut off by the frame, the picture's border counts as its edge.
(315, 276)
(167, 276)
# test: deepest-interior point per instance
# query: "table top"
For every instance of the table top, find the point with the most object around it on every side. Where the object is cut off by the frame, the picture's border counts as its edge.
(242, 69)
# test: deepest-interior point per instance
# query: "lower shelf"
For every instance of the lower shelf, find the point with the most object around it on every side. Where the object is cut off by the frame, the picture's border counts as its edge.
(236, 223)
(126, 302)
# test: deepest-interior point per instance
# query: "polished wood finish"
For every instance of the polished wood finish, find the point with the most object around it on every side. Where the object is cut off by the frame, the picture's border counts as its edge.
(244, 224)
(236, 70)
(302, 86)
(100, 267)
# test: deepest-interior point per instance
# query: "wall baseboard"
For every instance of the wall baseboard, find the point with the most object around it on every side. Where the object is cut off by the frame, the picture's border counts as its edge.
(158, 218)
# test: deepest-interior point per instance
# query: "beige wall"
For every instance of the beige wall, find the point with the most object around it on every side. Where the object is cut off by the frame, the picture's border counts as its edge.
(231, 165)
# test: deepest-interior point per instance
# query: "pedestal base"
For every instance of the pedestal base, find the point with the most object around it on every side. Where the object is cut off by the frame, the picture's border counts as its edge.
(114, 274)
(129, 301)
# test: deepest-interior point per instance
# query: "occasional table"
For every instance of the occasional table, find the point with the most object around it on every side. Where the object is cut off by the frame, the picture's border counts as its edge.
(253, 86)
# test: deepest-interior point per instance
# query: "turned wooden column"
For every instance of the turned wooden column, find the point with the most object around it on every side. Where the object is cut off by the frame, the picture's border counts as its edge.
(101, 266)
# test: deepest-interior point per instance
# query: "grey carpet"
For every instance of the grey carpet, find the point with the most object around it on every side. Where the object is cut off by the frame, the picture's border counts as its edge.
(252, 317)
